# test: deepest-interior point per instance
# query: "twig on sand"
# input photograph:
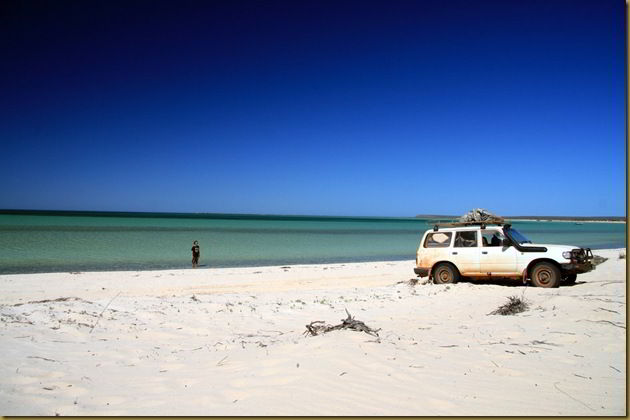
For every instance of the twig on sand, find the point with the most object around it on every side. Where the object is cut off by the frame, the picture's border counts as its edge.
(61, 299)
(610, 282)
(101, 314)
(535, 342)
(608, 310)
(43, 358)
(555, 385)
(612, 367)
(319, 327)
(604, 321)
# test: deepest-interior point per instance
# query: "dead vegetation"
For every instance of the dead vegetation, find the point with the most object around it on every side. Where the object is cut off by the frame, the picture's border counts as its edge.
(597, 260)
(514, 306)
(320, 327)
(415, 281)
(412, 282)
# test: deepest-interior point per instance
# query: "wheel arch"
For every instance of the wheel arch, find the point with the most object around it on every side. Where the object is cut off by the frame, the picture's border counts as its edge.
(435, 264)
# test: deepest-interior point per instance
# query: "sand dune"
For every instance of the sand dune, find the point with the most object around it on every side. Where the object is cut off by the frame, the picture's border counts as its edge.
(231, 342)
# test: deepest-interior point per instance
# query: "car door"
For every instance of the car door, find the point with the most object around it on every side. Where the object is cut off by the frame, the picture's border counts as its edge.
(465, 253)
(495, 258)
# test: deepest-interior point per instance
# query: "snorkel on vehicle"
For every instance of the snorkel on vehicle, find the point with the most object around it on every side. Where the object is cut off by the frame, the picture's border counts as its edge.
(511, 235)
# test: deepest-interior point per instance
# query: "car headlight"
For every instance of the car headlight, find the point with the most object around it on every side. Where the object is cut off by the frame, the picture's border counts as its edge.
(567, 255)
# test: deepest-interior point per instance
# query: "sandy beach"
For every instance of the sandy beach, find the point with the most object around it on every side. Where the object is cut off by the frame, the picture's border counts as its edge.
(230, 341)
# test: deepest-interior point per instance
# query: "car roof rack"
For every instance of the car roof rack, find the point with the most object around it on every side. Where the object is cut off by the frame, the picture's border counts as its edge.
(482, 224)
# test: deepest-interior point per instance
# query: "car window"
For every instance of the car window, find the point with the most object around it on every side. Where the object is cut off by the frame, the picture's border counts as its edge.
(438, 240)
(466, 239)
(492, 238)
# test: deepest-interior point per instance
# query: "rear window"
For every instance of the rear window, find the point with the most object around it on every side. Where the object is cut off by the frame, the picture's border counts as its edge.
(466, 239)
(438, 240)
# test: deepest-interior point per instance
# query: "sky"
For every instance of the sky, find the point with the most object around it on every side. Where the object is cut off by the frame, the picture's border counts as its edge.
(355, 108)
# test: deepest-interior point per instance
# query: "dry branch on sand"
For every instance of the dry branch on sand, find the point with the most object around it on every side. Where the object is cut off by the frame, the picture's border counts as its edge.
(320, 327)
(514, 305)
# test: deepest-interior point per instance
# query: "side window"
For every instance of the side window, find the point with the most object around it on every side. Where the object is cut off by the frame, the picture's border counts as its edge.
(438, 240)
(466, 239)
(492, 238)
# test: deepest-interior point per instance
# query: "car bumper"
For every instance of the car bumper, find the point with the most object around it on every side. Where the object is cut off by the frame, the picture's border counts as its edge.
(421, 272)
(577, 268)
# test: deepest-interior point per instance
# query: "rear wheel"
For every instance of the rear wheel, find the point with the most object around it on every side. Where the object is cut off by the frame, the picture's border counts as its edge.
(445, 273)
(545, 274)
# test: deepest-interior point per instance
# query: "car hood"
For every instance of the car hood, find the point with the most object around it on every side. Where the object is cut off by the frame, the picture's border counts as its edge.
(554, 247)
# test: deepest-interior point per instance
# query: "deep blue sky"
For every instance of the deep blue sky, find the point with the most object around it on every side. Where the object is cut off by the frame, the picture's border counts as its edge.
(384, 108)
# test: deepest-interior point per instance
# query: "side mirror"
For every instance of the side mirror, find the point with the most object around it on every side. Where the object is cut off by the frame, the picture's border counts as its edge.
(506, 242)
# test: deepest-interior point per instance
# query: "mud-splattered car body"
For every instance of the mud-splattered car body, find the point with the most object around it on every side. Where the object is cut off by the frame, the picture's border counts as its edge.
(496, 251)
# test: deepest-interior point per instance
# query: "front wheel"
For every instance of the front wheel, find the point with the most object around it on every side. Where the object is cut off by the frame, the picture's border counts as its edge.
(545, 274)
(445, 273)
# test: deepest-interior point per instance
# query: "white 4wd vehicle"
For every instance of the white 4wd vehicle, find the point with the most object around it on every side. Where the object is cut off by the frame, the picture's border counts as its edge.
(480, 250)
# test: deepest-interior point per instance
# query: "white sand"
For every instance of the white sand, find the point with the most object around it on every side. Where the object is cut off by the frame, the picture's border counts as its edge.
(238, 347)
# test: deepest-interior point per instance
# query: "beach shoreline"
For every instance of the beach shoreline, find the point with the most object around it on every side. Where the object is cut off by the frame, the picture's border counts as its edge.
(230, 341)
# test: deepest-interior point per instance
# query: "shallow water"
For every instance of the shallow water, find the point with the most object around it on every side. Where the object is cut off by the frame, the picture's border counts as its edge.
(89, 242)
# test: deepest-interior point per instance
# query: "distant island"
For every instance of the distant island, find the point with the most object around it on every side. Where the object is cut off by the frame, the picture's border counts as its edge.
(539, 218)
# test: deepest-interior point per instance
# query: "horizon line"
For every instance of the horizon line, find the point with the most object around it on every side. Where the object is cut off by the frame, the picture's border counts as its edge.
(417, 216)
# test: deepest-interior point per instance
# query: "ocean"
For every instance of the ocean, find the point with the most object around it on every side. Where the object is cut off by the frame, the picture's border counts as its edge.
(89, 241)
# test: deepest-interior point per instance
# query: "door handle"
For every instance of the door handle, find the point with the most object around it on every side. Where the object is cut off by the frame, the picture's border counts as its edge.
(454, 253)
(484, 252)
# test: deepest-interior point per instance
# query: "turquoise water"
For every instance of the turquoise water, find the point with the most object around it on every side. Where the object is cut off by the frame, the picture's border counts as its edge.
(98, 242)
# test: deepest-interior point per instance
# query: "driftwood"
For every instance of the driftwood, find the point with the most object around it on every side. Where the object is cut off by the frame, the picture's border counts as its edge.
(320, 327)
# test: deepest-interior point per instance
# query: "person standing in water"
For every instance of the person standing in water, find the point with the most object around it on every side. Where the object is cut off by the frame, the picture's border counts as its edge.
(195, 254)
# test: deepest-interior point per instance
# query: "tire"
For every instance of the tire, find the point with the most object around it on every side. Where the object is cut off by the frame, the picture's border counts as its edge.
(570, 279)
(546, 275)
(445, 273)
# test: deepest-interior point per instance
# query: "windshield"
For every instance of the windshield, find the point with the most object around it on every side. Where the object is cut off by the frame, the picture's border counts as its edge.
(519, 237)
